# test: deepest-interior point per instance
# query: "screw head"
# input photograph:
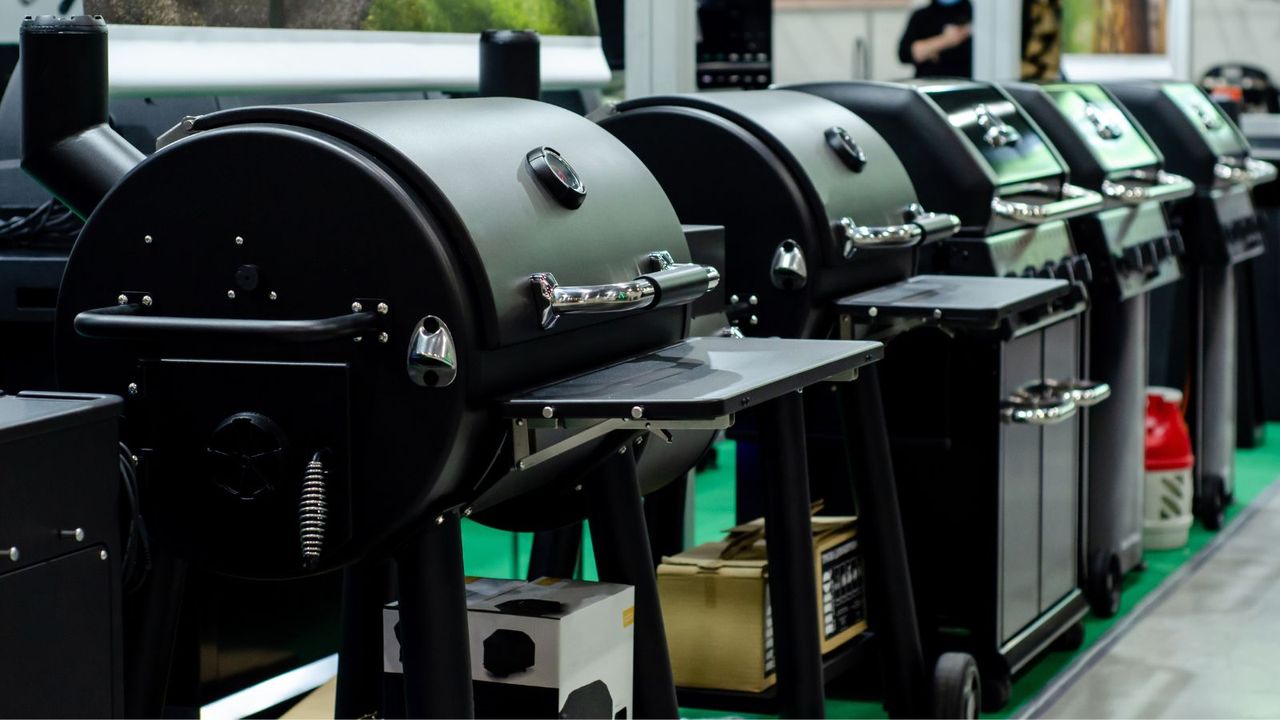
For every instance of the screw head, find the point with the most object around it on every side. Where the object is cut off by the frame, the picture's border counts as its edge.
(466, 512)
(577, 488)
(134, 459)
(357, 338)
(356, 307)
(937, 314)
(133, 388)
(637, 412)
(733, 299)
(439, 519)
(121, 299)
(520, 422)
(146, 239)
(102, 555)
(14, 555)
(622, 450)
(753, 300)
(383, 337)
(231, 294)
(146, 300)
(753, 320)
(548, 412)
(383, 308)
(873, 312)
(239, 240)
(272, 295)
(521, 465)
(640, 440)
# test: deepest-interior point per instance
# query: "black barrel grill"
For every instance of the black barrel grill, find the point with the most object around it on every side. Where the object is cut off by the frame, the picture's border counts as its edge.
(326, 321)
(971, 151)
(1132, 252)
(1221, 229)
(817, 206)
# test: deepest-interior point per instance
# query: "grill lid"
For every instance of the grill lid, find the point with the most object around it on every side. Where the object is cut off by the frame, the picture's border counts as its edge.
(543, 191)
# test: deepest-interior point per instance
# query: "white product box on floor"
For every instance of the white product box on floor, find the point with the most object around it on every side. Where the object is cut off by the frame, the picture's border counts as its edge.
(547, 648)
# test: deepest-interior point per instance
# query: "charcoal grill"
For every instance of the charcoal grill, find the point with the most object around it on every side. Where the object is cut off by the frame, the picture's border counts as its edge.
(1222, 229)
(1132, 251)
(824, 235)
(971, 151)
(340, 329)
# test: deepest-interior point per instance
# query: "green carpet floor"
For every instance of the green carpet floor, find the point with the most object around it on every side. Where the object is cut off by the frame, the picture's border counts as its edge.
(492, 553)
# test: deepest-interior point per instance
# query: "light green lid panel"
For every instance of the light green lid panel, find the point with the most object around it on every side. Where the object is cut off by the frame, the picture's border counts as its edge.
(1216, 128)
(1115, 141)
(1029, 158)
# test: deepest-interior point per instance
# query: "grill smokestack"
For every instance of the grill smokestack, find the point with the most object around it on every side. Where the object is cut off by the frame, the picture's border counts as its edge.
(67, 145)
(509, 64)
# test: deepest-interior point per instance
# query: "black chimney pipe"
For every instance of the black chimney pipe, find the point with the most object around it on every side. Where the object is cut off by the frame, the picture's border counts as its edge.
(67, 145)
(510, 64)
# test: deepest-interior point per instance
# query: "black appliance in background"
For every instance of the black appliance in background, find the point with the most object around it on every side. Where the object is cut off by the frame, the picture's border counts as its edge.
(735, 44)
(61, 555)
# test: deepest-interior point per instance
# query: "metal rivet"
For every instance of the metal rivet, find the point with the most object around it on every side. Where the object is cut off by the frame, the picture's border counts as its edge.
(102, 555)
(577, 488)
(937, 314)
(548, 412)
(733, 299)
(272, 295)
(357, 338)
(622, 450)
(383, 308)
(753, 300)
(14, 555)
(133, 388)
(439, 519)
(753, 320)
(520, 422)
(521, 465)
(383, 337)
(356, 307)
(466, 512)
(146, 239)
(121, 299)
(77, 534)
(134, 459)
(640, 440)
(239, 240)
(231, 294)
(637, 412)
(146, 300)
(873, 312)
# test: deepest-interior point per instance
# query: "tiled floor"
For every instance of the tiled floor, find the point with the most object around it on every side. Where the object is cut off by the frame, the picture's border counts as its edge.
(1209, 649)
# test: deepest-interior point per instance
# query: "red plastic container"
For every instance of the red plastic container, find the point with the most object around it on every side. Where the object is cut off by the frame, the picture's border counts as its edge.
(1169, 486)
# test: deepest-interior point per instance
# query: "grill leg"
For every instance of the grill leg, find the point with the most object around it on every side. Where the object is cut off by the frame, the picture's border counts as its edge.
(665, 511)
(792, 586)
(621, 544)
(151, 628)
(435, 646)
(365, 588)
(891, 596)
(555, 552)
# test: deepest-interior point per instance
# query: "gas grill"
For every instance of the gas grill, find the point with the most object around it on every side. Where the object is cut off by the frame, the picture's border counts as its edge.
(327, 321)
(1221, 229)
(971, 151)
(824, 232)
(1132, 252)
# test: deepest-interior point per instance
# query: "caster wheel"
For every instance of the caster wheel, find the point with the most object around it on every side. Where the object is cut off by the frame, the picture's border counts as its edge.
(1105, 584)
(957, 688)
(997, 685)
(1212, 508)
(1072, 639)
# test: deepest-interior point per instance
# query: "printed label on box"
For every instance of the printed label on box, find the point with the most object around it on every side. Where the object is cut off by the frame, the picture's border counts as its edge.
(842, 589)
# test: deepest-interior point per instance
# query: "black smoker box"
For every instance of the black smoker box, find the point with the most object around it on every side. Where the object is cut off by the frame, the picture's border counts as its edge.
(817, 206)
(1221, 228)
(327, 320)
(971, 151)
(1133, 251)
(60, 556)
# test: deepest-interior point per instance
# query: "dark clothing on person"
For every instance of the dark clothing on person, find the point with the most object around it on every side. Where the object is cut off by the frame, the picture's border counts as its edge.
(928, 22)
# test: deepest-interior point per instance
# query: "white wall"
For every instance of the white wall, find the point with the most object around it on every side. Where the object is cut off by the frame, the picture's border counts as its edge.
(1235, 30)
(834, 40)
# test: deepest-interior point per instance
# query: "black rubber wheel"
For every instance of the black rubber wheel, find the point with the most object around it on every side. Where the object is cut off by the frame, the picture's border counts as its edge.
(957, 687)
(1105, 584)
(1211, 509)
(1071, 639)
(997, 685)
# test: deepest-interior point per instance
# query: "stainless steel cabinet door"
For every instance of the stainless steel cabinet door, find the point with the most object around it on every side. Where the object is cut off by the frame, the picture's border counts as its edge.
(1060, 479)
(1020, 514)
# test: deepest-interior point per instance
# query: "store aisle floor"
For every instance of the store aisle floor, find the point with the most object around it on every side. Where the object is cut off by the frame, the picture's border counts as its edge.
(1209, 648)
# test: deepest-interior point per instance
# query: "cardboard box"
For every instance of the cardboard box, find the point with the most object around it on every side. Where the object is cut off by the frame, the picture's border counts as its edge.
(715, 604)
(547, 648)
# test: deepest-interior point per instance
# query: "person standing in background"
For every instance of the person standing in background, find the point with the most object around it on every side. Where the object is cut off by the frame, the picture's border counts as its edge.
(938, 39)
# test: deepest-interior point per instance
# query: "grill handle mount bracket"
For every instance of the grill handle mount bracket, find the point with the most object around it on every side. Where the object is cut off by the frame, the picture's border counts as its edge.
(131, 322)
(671, 284)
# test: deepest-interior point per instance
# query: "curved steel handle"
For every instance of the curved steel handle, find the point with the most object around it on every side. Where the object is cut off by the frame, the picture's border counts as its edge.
(1027, 408)
(1253, 172)
(129, 322)
(1158, 186)
(919, 225)
(672, 284)
(1085, 393)
(1075, 201)
(998, 132)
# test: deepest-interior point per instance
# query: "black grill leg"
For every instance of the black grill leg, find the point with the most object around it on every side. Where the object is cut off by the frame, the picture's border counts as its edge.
(792, 585)
(892, 599)
(621, 544)
(365, 589)
(151, 617)
(435, 646)
(555, 552)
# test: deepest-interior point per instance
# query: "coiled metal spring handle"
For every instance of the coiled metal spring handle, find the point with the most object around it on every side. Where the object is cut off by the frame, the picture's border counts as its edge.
(313, 512)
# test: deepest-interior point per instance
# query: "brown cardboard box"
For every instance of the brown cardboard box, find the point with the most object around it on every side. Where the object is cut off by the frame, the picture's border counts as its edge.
(715, 604)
